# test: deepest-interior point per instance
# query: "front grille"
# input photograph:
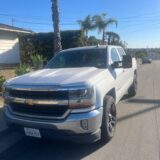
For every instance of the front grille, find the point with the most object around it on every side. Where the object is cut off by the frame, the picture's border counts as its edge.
(55, 110)
(54, 95)
(39, 110)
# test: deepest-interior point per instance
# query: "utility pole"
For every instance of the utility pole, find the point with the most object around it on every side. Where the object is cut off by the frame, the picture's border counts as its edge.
(13, 20)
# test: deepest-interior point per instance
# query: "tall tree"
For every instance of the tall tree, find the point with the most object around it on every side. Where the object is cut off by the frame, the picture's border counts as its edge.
(101, 22)
(86, 25)
(56, 25)
(112, 38)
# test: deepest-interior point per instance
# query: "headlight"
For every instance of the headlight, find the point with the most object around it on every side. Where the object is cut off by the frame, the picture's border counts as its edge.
(4, 90)
(81, 98)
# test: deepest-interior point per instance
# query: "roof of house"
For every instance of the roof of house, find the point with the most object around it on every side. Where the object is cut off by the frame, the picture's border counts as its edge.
(4, 27)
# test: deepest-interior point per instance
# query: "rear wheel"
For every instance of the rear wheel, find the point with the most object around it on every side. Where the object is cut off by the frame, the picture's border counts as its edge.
(109, 119)
(133, 88)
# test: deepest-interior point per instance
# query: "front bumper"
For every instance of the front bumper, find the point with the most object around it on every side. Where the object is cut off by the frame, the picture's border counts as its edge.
(76, 127)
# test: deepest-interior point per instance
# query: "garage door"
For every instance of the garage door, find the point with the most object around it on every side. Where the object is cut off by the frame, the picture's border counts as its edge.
(9, 48)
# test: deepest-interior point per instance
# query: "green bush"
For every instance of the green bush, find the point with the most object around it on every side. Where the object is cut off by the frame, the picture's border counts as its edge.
(22, 69)
(2, 80)
(37, 61)
(43, 44)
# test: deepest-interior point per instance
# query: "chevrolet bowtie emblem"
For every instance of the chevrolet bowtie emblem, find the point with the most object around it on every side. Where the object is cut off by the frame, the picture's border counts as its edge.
(29, 102)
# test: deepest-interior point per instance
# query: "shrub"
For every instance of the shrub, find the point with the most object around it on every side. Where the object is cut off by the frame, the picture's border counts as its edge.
(2, 80)
(37, 61)
(43, 44)
(22, 69)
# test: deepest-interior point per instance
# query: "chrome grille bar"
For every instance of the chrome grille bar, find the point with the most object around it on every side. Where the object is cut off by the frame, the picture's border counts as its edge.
(36, 102)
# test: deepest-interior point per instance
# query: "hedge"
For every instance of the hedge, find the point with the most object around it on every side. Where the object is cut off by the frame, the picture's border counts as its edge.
(42, 44)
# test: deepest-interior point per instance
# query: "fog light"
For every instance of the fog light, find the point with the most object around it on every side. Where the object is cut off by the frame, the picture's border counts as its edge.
(84, 124)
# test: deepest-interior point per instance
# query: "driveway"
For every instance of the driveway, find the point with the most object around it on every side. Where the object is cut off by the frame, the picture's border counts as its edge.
(2, 121)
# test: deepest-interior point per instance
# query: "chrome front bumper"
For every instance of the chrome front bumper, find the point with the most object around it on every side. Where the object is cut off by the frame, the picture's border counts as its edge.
(75, 123)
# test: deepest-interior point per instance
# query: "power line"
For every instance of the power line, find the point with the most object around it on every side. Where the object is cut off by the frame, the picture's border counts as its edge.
(19, 15)
(139, 15)
(132, 21)
(138, 30)
(121, 20)
(139, 24)
(42, 16)
(40, 23)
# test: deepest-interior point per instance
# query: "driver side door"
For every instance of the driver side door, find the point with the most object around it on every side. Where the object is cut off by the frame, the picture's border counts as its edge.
(119, 74)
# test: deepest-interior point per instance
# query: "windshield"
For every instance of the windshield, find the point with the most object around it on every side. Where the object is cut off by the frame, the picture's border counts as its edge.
(79, 58)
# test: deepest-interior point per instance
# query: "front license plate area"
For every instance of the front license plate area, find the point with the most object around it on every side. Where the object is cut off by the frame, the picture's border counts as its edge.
(31, 132)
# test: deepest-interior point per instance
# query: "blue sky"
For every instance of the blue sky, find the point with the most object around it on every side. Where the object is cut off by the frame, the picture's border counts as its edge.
(139, 20)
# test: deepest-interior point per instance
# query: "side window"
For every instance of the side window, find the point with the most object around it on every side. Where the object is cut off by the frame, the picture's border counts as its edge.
(114, 55)
(121, 52)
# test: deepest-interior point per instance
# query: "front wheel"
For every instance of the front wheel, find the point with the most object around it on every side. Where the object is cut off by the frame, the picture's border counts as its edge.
(109, 119)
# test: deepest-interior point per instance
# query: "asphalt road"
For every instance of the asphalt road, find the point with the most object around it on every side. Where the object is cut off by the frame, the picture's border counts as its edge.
(137, 136)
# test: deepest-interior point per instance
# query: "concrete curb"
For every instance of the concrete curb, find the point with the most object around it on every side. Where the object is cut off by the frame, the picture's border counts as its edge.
(8, 138)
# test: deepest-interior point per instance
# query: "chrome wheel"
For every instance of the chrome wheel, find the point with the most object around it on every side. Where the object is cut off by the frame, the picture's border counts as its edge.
(112, 119)
(109, 119)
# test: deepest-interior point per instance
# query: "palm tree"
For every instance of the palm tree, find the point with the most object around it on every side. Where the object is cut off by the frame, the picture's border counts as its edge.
(112, 38)
(101, 23)
(56, 22)
(86, 25)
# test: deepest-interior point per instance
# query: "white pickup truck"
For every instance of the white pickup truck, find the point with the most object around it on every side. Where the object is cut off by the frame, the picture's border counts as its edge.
(74, 97)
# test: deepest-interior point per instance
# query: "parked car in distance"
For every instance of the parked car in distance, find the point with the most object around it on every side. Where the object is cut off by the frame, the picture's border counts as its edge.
(74, 97)
(146, 60)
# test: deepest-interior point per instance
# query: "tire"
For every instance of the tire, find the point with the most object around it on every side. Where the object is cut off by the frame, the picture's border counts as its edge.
(109, 120)
(133, 88)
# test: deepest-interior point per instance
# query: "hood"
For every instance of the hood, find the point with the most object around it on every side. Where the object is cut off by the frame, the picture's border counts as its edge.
(63, 77)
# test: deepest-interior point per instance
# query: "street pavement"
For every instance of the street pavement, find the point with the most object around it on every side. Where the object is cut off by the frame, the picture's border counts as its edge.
(7, 137)
(3, 125)
(137, 135)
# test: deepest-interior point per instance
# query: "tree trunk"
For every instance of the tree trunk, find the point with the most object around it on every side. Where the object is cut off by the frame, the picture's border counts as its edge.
(87, 33)
(56, 23)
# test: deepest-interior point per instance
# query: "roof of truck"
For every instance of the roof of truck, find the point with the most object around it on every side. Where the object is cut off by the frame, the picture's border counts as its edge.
(90, 47)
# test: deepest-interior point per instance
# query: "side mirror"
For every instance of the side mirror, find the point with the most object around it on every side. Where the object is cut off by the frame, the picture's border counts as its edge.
(117, 64)
(127, 61)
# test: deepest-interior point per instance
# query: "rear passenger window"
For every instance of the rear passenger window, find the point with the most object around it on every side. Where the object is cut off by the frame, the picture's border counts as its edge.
(114, 55)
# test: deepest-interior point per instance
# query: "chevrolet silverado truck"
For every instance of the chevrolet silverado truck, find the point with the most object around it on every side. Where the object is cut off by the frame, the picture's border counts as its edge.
(73, 97)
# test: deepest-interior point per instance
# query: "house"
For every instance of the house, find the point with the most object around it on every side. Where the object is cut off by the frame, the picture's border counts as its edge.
(9, 43)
